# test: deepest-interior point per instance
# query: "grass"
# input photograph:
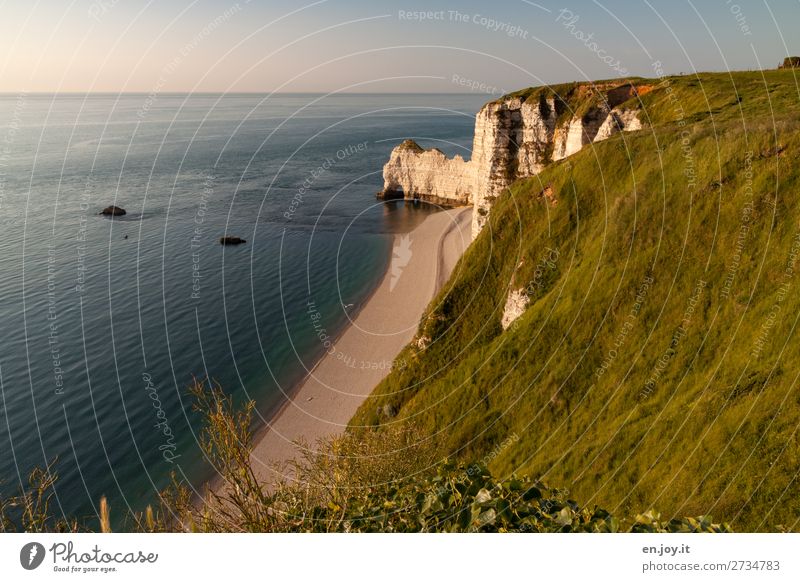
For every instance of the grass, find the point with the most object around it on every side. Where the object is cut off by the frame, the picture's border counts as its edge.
(364, 481)
(684, 398)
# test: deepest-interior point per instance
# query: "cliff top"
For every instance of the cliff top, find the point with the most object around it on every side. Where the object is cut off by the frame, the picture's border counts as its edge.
(695, 93)
(410, 144)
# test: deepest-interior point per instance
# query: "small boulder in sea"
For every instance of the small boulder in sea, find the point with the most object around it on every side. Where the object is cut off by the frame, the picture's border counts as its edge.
(113, 211)
(231, 240)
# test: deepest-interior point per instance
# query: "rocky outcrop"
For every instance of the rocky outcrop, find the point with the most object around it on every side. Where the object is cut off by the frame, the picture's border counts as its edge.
(515, 137)
(618, 120)
(428, 175)
(516, 303)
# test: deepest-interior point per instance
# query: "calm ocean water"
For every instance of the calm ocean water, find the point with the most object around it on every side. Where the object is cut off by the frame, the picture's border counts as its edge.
(105, 322)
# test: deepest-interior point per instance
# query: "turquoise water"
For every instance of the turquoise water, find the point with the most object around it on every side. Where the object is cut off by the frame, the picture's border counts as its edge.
(105, 321)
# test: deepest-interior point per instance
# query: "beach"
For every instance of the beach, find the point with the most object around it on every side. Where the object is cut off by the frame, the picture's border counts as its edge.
(364, 353)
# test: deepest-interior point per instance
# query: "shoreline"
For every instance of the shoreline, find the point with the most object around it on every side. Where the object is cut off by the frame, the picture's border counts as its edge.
(323, 403)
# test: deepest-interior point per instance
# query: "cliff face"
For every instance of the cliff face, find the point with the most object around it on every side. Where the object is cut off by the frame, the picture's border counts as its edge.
(515, 137)
(415, 173)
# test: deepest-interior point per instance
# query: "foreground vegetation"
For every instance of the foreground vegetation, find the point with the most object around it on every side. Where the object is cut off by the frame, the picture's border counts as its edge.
(362, 482)
(656, 363)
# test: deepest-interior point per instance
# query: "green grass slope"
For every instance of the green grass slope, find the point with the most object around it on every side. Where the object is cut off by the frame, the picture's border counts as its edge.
(657, 363)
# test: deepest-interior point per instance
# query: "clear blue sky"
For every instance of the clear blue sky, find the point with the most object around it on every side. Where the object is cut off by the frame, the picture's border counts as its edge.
(374, 46)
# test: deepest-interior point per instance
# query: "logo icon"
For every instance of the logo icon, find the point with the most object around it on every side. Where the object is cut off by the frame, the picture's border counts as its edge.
(401, 256)
(31, 555)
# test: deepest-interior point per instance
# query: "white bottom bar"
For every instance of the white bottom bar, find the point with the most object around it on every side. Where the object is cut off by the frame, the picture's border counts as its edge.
(386, 557)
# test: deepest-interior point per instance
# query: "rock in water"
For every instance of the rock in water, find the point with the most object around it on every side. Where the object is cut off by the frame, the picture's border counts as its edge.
(113, 211)
(231, 240)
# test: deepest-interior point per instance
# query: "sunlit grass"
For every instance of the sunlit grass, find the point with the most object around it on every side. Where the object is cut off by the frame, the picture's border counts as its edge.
(705, 197)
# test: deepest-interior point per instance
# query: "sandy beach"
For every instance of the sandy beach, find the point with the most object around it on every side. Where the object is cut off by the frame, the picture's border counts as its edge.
(362, 356)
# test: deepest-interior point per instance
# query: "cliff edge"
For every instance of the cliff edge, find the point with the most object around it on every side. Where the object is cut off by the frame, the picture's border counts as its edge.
(516, 136)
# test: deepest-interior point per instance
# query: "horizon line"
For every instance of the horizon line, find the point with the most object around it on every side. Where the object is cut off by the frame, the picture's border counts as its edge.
(18, 92)
(147, 93)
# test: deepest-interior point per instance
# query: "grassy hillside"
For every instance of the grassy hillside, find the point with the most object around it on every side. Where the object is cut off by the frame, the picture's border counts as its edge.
(657, 363)
(363, 481)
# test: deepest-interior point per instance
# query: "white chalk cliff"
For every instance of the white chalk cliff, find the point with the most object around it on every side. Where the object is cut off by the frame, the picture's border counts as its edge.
(515, 137)
(413, 172)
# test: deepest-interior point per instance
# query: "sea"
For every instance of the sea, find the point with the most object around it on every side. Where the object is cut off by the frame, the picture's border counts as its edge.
(106, 322)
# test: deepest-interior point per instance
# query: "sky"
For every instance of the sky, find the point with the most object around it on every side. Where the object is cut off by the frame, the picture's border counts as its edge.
(493, 47)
